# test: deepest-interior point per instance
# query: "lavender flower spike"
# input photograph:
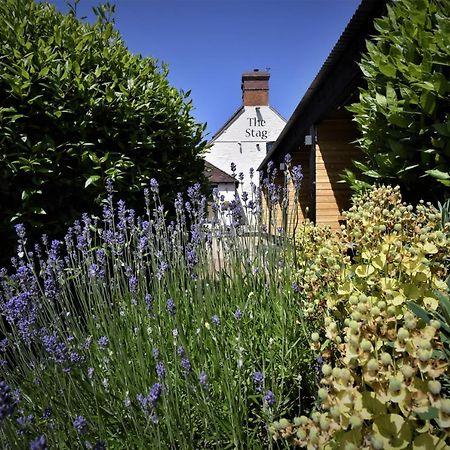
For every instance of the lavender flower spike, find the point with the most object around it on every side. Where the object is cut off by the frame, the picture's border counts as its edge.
(269, 398)
(40, 443)
(80, 424)
(154, 186)
(171, 307)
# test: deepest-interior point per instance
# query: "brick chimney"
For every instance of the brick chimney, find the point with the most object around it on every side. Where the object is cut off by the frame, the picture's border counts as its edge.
(255, 88)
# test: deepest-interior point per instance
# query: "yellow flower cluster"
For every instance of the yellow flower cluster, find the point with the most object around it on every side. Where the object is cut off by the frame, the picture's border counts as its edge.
(382, 384)
(320, 259)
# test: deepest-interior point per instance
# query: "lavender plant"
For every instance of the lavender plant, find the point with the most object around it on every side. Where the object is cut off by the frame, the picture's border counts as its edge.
(146, 332)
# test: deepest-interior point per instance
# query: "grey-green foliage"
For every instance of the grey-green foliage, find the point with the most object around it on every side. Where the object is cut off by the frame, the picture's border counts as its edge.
(404, 112)
(77, 107)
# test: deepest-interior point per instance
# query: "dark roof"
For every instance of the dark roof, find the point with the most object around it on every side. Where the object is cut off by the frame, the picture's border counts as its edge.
(216, 175)
(336, 81)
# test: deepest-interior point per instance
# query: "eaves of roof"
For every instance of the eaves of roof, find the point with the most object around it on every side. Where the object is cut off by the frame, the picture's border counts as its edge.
(232, 119)
(340, 65)
(216, 175)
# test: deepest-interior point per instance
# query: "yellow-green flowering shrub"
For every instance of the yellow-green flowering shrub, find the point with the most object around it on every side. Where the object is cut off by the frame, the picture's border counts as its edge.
(320, 259)
(382, 384)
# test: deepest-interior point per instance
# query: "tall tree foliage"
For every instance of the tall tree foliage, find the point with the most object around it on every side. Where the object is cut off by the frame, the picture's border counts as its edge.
(76, 107)
(404, 113)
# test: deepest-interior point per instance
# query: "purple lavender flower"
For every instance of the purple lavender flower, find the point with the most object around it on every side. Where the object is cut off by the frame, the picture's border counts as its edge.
(269, 398)
(191, 256)
(287, 158)
(103, 341)
(20, 231)
(23, 421)
(154, 393)
(317, 367)
(155, 353)
(274, 196)
(133, 284)
(40, 443)
(154, 186)
(74, 357)
(171, 307)
(80, 424)
(215, 320)
(194, 191)
(180, 350)
(90, 372)
(295, 287)
(109, 186)
(7, 403)
(21, 309)
(163, 268)
(57, 351)
(87, 343)
(238, 314)
(179, 202)
(149, 402)
(186, 364)
(297, 177)
(258, 380)
(251, 172)
(203, 379)
(47, 413)
(160, 370)
(4, 344)
(149, 303)
(93, 270)
(241, 176)
(233, 167)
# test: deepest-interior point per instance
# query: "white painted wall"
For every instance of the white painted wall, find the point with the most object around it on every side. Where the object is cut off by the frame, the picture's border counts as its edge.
(244, 142)
(227, 190)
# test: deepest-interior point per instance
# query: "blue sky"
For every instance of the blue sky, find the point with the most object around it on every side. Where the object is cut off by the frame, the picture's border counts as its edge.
(209, 43)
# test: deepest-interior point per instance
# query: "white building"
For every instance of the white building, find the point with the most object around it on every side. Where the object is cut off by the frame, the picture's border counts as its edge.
(247, 136)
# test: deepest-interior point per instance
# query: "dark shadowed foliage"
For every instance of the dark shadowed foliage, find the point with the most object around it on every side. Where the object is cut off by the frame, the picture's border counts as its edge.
(403, 114)
(76, 107)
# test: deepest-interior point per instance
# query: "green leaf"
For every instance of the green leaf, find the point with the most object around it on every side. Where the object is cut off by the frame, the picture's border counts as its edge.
(399, 119)
(381, 100)
(91, 180)
(388, 69)
(438, 174)
(372, 174)
(419, 311)
(431, 414)
(428, 102)
(44, 71)
(76, 67)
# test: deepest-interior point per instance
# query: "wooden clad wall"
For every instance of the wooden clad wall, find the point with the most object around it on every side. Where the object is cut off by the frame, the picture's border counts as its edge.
(334, 152)
(297, 212)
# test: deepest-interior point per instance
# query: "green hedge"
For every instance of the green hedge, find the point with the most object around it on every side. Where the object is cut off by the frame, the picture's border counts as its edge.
(403, 114)
(76, 107)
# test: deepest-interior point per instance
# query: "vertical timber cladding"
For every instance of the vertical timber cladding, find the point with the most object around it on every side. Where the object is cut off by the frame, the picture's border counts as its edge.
(335, 152)
(299, 208)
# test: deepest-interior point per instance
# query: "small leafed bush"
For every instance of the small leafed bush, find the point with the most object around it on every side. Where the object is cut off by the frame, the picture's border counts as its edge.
(384, 378)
